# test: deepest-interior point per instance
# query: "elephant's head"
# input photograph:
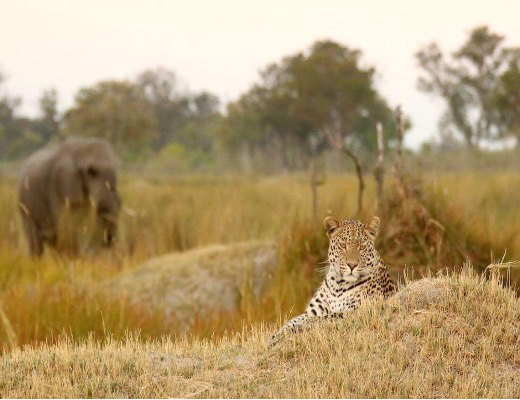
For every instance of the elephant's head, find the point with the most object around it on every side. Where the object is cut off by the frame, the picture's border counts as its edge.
(87, 174)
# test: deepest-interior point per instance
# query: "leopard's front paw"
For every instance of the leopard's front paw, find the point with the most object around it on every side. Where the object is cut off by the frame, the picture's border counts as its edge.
(274, 340)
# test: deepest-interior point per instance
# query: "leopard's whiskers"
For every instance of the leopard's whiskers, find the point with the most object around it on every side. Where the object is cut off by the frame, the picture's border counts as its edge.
(323, 268)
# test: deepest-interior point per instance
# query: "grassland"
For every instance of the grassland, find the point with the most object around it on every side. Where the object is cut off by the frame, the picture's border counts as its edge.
(60, 302)
(42, 299)
(445, 336)
(482, 206)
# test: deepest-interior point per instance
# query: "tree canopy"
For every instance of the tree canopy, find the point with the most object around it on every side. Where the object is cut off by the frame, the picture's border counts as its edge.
(115, 110)
(475, 83)
(305, 94)
(306, 103)
(143, 116)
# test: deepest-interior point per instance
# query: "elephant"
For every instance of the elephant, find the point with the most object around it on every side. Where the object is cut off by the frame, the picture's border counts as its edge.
(75, 174)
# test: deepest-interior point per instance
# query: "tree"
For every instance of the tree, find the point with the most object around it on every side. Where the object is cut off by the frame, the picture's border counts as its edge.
(197, 132)
(12, 128)
(507, 100)
(205, 105)
(183, 118)
(313, 99)
(117, 111)
(341, 100)
(241, 132)
(170, 107)
(47, 125)
(467, 82)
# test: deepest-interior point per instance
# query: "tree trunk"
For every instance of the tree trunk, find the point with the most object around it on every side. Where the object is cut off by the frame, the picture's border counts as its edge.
(336, 142)
(314, 190)
(359, 173)
(315, 181)
(399, 122)
(284, 156)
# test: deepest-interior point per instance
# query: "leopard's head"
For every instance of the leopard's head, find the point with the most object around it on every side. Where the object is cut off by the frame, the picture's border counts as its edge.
(351, 247)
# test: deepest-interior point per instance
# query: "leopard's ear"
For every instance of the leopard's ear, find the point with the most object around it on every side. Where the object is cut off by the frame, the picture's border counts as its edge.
(372, 228)
(331, 224)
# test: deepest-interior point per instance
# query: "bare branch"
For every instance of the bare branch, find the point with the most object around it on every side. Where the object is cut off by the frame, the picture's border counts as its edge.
(379, 172)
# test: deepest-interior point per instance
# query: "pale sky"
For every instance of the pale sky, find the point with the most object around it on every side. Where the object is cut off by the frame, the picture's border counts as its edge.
(221, 45)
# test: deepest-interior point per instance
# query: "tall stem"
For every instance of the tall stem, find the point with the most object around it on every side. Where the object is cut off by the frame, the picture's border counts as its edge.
(336, 142)
(379, 171)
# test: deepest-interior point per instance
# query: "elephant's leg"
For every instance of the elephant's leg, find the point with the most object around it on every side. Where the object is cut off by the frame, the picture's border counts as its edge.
(52, 239)
(33, 236)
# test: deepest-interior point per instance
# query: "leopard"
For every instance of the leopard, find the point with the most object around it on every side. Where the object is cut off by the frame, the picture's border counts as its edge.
(355, 272)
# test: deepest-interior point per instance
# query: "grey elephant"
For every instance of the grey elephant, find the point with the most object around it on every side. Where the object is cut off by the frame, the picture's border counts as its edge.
(76, 174)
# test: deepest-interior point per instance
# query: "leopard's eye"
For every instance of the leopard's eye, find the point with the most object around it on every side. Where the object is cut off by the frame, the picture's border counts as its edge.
(343, 245)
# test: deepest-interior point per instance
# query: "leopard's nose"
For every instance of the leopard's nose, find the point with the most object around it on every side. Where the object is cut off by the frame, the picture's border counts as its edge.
(352, 265)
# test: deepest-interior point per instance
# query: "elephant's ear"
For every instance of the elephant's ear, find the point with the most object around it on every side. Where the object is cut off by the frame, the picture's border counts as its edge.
(68, 181)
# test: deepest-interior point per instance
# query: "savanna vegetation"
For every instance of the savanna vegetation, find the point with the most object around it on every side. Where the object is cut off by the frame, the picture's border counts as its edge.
(439, 228)
(444, 336)
(301, 106)
(212, 190)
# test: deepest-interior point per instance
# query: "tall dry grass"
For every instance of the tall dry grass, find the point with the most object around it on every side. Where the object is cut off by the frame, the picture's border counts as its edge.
(44, 298)
(481, 207)
(447, 336)
(40, 300)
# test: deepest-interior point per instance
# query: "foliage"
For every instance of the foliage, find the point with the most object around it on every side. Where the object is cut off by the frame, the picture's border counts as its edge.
(171, 108)
(142, 117)
(301, 96)
(19, 136)
(138, 117)
(469, 82)
(301, 106)
(11, 127)
(116, 111)
(47, 124)
(507, 101)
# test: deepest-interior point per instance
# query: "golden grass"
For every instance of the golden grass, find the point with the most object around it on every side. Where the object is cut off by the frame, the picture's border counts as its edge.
(482, 207)
(450, 335)
(185, 213)
(42, 299)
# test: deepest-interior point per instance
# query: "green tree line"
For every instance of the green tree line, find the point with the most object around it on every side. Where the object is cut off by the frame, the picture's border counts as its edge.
(301, 106)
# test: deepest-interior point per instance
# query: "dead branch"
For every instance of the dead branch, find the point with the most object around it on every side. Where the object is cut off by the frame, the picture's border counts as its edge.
(335, 140)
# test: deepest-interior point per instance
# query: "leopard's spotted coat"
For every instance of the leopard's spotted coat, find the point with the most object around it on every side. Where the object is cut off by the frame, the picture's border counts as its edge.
(356, 271)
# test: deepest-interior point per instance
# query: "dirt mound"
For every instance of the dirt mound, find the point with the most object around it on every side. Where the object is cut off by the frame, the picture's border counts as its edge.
(194, 282)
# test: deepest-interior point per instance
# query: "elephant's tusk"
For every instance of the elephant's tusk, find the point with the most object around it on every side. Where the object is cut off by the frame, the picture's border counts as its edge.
(129, 211)
(109, 218)
(25, 209)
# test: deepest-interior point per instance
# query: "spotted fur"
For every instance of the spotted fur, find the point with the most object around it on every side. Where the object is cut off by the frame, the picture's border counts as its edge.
(356, 271)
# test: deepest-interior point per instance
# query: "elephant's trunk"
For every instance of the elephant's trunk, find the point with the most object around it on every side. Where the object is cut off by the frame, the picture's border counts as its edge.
(108, 224)
(108, 219)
